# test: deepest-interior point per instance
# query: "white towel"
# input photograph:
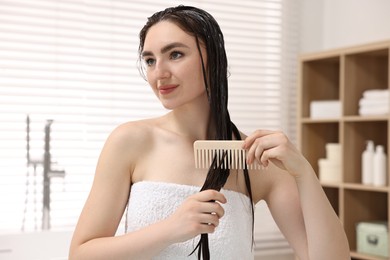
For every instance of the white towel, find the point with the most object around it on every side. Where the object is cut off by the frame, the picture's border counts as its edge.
(374, 104)
(366, 102)
(376, 93)
(325, 108)
(150, 202)
(365, 111)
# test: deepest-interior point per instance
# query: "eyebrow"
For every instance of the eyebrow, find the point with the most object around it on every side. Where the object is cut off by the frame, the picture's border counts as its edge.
(165, 48)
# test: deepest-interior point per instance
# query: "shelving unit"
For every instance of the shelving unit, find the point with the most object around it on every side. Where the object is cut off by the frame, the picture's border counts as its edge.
(344, 74)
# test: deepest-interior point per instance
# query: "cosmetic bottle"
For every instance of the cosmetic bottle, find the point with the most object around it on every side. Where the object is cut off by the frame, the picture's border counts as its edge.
(380, 169)
(368, 163)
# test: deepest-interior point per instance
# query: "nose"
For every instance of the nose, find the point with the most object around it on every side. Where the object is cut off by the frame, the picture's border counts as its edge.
(162, 70)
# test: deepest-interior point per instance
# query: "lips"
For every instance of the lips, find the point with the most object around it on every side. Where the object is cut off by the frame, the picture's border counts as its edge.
(166, 89)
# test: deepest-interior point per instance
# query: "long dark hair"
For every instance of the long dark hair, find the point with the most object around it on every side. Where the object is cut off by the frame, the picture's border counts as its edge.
(206, 31)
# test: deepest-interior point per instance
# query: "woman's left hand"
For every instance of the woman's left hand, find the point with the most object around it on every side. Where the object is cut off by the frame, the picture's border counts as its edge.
(264, 146)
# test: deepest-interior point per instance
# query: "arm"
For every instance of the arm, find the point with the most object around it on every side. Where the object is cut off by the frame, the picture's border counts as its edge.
(94, 237)
(296, 198)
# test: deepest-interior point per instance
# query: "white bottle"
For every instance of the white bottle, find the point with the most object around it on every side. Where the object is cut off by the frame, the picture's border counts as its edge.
(368, 164)
(380, 169)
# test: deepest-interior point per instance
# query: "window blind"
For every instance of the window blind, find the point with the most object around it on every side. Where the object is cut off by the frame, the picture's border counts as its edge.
(74, 62)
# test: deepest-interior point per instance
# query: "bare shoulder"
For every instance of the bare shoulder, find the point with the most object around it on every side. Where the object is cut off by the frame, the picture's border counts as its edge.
(130, 140)
(134, 132)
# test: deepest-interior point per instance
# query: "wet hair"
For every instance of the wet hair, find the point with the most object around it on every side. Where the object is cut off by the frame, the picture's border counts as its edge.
(206, 31)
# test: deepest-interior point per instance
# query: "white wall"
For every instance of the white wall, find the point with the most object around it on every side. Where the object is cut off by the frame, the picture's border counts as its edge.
(45, 245)
(328, 24)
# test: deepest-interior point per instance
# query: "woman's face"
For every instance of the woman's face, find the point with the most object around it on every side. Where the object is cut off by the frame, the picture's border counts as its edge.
(173, 65)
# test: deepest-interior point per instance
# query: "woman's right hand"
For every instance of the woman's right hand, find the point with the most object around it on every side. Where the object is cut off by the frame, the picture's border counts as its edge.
(198, 214)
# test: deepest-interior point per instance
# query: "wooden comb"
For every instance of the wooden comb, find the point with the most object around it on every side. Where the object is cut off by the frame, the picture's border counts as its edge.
(227, 154)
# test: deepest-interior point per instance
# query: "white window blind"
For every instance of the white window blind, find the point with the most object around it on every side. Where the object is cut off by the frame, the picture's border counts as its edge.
(74, 62)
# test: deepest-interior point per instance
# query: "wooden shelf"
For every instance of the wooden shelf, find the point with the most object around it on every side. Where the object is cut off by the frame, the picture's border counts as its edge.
(315, 121)
(356, 255)
(309, 120)
(362, 187)
(365, 118)
(344, 74)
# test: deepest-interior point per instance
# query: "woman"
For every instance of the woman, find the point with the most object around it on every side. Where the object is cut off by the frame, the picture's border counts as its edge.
(149, 165)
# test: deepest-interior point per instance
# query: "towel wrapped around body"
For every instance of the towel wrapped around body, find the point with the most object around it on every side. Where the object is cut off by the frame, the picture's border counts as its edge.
(151, 202)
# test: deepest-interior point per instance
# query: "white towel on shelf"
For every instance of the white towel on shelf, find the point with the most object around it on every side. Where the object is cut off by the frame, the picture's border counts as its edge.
(374, 102)
(366, 102)
(379, 110)
(325, 108)
(151, 202)
(376, 93)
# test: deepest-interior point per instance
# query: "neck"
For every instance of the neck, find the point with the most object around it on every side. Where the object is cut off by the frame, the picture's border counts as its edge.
(193, 121)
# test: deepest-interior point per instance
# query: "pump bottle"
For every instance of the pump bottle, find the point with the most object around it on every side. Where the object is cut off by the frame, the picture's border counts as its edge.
(368, 164)
(380, 162)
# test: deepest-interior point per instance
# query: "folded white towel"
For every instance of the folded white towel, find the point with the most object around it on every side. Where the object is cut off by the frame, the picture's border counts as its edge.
(150, 202)
(363, 111)
(367, 102)
(325, 108)
(376, 93)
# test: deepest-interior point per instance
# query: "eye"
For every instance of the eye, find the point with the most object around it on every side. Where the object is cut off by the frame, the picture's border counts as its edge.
(176, 55)
(149, 62)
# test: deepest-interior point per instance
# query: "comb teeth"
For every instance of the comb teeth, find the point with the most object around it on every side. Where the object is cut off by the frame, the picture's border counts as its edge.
(228, 155)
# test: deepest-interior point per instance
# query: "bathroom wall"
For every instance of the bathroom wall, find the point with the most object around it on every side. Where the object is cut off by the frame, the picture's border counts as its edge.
(327, 24)
(45, 245)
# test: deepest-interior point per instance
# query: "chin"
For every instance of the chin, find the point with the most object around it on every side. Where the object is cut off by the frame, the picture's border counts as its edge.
(168, 106)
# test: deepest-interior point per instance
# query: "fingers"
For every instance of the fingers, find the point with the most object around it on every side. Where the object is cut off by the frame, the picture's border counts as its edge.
(210, 217)
(259, 146)
(257, 150)
(265, 145)
(213, 208)
(209, 209)
(210, 195)
(210, 203)
(253, 137)
(200, 213)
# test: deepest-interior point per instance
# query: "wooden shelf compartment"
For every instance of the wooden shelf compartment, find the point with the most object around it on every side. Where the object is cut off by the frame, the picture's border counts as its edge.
(315, 137)
(355, 137)
(363, 206)
(320, 80)
(364, 71)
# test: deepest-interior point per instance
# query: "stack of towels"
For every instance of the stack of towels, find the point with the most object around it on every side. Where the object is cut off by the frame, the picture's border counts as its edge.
(374, 102)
